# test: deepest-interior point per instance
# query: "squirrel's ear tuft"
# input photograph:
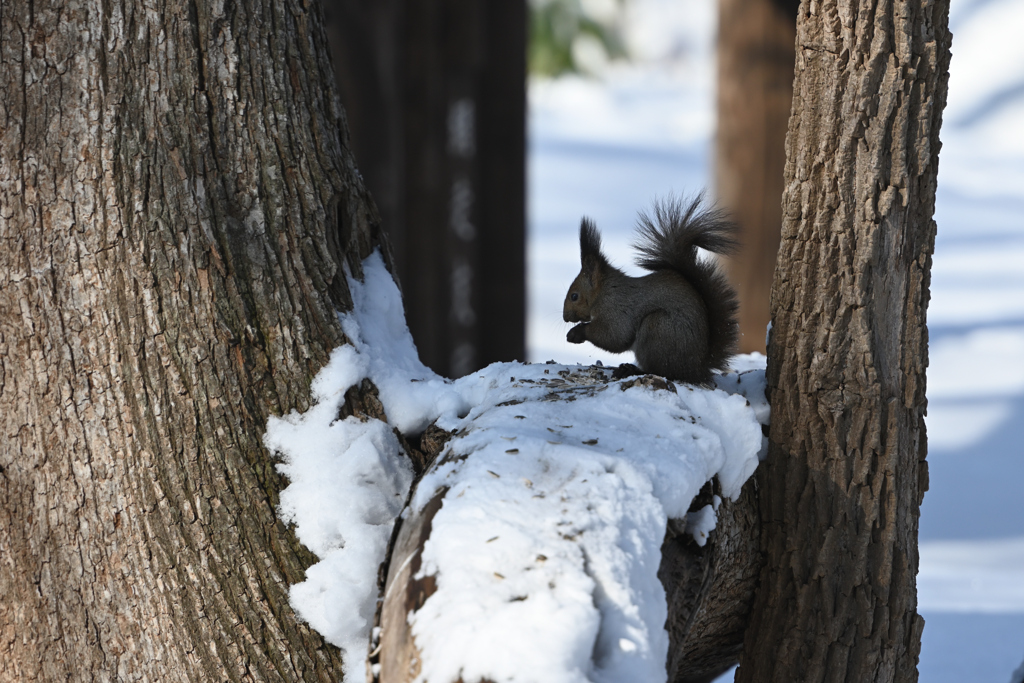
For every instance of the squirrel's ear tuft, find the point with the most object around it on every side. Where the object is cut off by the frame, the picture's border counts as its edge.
(590, 239)
(590, 244)
(593, 261)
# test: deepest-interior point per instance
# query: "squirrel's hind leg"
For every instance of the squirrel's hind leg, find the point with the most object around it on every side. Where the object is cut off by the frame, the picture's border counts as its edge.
(674, 351)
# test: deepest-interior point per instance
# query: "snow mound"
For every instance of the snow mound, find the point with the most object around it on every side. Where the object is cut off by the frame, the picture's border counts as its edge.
(546, 548)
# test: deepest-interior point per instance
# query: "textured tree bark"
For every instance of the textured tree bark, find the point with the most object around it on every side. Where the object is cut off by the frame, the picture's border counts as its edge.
(177, 201)
(846, 472)
(755, 93)
(710, 591)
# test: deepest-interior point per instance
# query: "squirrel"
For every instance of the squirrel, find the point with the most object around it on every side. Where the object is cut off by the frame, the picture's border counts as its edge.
(680, 320)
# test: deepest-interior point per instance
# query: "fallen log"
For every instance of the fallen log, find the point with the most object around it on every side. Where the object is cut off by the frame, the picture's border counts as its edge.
(707, 576)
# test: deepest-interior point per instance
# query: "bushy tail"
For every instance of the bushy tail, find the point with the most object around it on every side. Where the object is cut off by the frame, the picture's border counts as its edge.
(670, 241)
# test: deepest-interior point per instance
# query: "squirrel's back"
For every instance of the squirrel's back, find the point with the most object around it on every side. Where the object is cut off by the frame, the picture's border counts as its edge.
(669, 241)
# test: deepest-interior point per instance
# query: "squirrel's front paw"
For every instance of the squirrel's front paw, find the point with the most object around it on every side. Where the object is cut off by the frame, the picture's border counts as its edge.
(626, 370)
(577, 335)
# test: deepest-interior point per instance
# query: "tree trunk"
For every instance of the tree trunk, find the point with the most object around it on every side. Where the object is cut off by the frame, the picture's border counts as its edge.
(755, 93)
(176, 203)
(435, 92)
(846, 471)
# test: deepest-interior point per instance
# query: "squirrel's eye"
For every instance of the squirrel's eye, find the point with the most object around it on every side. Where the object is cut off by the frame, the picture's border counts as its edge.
(574, 296)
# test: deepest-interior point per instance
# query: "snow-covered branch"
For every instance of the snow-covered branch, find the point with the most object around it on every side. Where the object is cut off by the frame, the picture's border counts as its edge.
(531, 548)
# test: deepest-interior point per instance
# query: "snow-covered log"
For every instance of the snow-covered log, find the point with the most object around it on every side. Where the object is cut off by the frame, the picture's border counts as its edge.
(567, 532)
(559, 526)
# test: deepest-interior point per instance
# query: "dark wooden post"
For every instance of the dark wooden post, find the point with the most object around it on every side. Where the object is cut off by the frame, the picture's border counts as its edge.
(755, 93)
(436, 98)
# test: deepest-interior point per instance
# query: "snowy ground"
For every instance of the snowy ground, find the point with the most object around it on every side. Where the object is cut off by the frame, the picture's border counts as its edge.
(605, 148)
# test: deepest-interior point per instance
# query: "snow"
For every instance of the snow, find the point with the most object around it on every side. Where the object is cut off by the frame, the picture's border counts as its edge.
(551, 531)
(701, 523)
(412, 393)
(746, 377)
(346, 488)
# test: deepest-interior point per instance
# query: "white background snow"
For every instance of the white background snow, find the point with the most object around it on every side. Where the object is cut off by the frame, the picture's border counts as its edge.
(606, 147)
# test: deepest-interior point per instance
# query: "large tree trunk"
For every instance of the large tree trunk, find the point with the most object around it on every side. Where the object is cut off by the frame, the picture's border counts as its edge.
(176, 202)
(842, 486)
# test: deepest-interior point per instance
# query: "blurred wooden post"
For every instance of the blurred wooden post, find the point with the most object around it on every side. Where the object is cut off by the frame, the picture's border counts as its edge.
(755, 93)
(435, 92)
